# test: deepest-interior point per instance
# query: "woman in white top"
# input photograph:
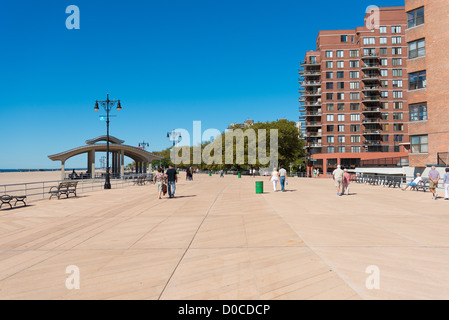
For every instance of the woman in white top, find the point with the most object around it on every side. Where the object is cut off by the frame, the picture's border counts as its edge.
(274, 178)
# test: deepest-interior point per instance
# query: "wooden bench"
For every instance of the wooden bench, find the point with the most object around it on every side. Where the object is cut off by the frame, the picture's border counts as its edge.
(66, 188)
(6, 199)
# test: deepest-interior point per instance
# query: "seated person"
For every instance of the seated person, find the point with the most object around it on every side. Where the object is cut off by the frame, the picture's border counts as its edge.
(414, 183)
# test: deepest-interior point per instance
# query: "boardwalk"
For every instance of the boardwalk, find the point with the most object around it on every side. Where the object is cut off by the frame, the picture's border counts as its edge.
(219, 240)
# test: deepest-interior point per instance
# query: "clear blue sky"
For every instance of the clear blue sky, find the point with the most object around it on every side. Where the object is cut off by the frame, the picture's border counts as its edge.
(170, 63)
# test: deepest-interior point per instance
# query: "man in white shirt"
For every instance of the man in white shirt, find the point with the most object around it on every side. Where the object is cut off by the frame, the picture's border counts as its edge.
(337, 175)
(283, 177)
(414, 183)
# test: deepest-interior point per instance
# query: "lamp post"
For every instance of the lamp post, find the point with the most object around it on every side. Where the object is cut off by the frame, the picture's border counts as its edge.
(143, 145)
(107, 105)
(174, 136)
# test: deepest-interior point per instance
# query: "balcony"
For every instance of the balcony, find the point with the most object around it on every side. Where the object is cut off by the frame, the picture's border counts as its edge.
(371, 132)
(313, 134)
(374, 54)
(311, 84)
(312, 93)
(370, 66)
(371, 99)
(311, 74)
(314, 145)
(373, 142)
(368, 121)
(368, 78)
(313, 114)
(313, 124)
(309, 63)
(371, 89)
(371, 110)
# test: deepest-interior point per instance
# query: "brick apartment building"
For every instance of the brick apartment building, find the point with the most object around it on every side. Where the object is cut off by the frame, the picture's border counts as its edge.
(427, 37)
(354, 94)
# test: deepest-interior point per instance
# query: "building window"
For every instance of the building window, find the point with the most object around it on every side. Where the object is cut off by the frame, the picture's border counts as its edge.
(384, 72)
(417, 80)
(384, 83)
(354, 106)
(341, 139)
(397, 72)
(397, 94)
(396, 29)
(419, 144)
(330, 149)
(384, 105)
(354, 74)
(383, 51)
(329, 75)
(396, 40)
(384, 94)
(369, 40)
(398, 105)
(355, 139)
(329, 85)
(397, 83)
(354, 85)
(354, 53)
(340, 96)
(330, 139)
(329, 54)
(355, 149)
(396, 51)
(330, 117)
(354, 96)
(415, 17)
(383, 40)
(417, 49)
(398, 116)
(340, 74)
(384, 62)
(340, 53)
(397, 61)
(340, 64)
(398, 127)
(383, 30)
(418, 111)
(355, 117)
(343, 38)
(341, 128)
(341, 117)
(329, 64)
(341, 107)
(355, 128)
(330, 107)
(340, 85)
(384, 115)
(354, 63)
(329, 96)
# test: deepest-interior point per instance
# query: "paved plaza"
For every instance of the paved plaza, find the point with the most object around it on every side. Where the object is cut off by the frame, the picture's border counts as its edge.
(220, 240)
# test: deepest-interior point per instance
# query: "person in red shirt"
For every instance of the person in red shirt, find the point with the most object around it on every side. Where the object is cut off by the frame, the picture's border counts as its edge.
(346, 181)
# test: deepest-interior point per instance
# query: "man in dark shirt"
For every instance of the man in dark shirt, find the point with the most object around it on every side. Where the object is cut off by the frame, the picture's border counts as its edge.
(172, 178)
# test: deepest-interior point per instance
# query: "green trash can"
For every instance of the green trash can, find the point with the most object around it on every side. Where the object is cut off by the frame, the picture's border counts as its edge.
(240, 175)
(210, 174)
(259, 186)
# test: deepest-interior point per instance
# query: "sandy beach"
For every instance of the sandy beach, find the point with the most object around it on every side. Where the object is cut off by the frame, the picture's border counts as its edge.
(26, 177)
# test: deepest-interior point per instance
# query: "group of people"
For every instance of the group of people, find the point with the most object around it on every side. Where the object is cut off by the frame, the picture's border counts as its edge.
(342, 179)
(280, 176)
(434, 178)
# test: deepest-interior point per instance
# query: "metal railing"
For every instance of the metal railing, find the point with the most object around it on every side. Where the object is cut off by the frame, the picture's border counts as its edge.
(384, 162)
(35, 191)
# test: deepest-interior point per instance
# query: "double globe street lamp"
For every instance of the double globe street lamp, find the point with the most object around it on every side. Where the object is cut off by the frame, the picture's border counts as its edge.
(175, 137)
(107, 105)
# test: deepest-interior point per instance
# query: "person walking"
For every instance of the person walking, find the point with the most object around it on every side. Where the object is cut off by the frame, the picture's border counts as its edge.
(346, 181)
(283, 178)
(159, 179)
(172, 179)
(414, 183)
(446, 184)
(337, 175)
(274, 178)
(221, 173)
(434, 177)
